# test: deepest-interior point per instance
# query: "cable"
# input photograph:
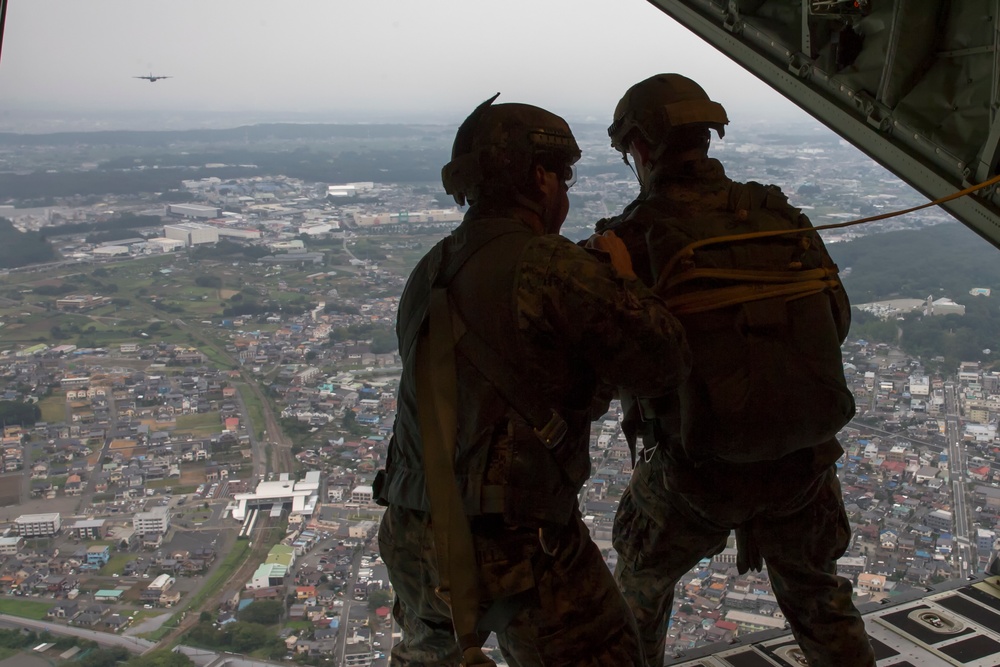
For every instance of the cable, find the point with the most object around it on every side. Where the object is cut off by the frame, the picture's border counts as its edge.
(3, 21)
(688, 250)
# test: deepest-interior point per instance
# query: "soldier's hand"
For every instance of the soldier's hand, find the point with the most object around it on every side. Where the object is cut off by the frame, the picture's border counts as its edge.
(609, 243)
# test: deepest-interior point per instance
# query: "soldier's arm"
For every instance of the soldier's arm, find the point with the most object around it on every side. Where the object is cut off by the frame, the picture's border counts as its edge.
(615, 324)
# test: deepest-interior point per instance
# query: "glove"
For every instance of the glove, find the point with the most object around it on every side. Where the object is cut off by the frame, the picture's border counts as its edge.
(617, 252)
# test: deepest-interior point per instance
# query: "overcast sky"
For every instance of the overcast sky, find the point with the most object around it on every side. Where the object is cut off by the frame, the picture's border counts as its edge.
(355, 60)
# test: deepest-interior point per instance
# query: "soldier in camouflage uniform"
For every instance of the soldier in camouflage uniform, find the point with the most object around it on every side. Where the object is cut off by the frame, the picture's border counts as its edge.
(561, 319)
(676, 510)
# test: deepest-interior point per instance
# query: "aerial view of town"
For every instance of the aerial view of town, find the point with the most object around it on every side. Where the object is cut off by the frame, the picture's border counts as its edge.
(198, 365)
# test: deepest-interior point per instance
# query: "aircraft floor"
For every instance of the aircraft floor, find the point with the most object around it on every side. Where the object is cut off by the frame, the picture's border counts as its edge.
(957, 623)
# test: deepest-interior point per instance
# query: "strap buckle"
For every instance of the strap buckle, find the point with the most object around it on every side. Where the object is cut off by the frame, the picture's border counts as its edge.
(553, 432)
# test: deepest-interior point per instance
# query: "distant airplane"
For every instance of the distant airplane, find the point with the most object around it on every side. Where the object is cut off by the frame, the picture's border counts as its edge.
(151, 78)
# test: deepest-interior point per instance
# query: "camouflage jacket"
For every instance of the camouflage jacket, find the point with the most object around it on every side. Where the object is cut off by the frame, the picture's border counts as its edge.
(563, 320)
(691, 192)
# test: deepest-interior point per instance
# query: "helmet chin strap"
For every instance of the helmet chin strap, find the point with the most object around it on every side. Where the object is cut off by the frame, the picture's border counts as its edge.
(642, 186)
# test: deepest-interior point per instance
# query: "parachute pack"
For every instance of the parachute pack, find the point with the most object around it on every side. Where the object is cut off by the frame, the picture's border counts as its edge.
(765, 316)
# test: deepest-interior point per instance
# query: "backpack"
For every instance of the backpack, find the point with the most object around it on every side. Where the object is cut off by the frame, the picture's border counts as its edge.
(764, 314)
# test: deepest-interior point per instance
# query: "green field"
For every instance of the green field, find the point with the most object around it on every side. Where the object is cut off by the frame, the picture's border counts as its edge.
(216, 357)
(206, 423)
(256, 410)
(53, 408)
(25, 608)
(116, 564)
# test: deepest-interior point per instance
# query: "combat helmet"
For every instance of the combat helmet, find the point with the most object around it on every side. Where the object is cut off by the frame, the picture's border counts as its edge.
(496, 146)
(657, 106)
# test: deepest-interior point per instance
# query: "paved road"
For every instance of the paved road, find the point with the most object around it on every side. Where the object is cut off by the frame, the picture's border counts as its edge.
(958, 465)
(149, 625)
(133, 644)
(203, 658)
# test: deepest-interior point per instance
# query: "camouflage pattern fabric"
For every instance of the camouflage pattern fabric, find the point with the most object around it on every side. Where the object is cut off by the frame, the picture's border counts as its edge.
(674, 513)
(566, 609)
(565, 321)
(660, 535)
(573, 323)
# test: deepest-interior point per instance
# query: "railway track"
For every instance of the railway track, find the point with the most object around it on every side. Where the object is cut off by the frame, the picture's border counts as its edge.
(254, 557)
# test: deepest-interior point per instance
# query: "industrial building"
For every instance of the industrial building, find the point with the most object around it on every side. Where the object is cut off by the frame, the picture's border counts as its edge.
(240, 234)
(193, 211)
(81, 302)
(165, 244)
(349, 189)
(110, 251)
(192, 233)
(403, 217)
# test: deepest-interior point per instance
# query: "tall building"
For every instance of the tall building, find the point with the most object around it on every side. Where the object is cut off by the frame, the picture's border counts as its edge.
(37, 525)
(156, 520)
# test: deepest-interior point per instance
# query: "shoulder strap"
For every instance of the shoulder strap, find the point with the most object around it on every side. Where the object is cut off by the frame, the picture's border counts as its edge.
(445, 260)
(548, 425)
(437, 392)
(437, 403)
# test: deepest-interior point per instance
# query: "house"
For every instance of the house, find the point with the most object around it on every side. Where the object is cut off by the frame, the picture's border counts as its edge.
(91, 616)
(117, 622)
(89, 529)
(98, 555)
(67, 609)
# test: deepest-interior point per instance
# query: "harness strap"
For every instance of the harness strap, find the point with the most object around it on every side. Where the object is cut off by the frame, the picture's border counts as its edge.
(547, 424)
(437, 391)
(705, 300)
(751, 275)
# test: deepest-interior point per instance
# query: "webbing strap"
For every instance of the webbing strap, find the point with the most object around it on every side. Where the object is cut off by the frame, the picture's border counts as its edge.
(688, 250)
(548, 424)
(437, 392)
(705, 300)
(751, 275)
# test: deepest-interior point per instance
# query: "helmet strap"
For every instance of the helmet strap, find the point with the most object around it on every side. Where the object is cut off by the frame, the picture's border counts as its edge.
(642, 186)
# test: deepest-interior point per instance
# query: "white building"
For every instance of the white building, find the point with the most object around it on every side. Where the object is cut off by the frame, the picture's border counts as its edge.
(166, 244)
(362, 495)
(920, 385)
(161, 583)
(418, 217)
(267, 575)
(192, 233)
(110, 251)
(11, 545)
(195, 211)
(156, 520)
(945, 306)
(349, 189)
(980, 432)
(299, 497)
(37, 525)
(237, 233)
(321, 228)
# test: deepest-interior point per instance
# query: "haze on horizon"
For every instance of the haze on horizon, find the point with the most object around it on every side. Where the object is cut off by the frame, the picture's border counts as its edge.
(348, 61)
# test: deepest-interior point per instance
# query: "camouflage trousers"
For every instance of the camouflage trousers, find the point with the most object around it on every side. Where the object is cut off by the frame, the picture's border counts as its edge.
(558, 610)
(800, 533)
